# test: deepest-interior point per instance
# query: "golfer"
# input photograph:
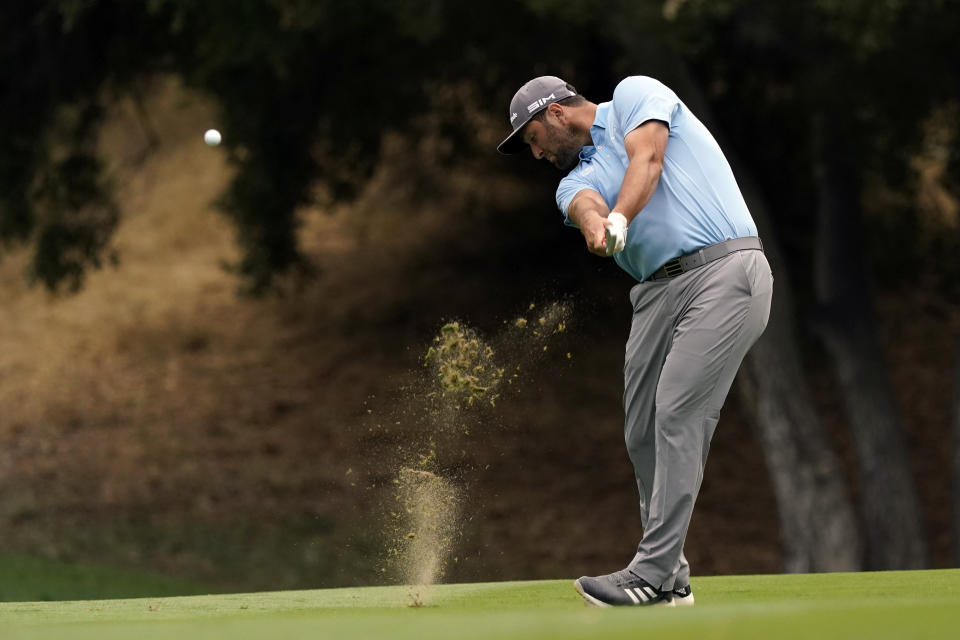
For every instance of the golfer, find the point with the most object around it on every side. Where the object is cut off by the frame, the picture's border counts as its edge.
(648, 185)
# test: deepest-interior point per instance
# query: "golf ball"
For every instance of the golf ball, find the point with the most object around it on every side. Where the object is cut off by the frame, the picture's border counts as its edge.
(212, 137)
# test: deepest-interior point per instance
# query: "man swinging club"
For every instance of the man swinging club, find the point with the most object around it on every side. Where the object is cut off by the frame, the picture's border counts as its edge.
(648, 185)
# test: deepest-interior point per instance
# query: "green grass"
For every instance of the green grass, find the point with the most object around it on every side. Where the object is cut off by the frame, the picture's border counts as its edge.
(28, 578)
(917, 604)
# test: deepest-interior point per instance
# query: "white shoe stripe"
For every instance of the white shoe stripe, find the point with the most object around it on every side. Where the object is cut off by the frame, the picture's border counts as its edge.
(632, 597)
(650, 593)
(643, 594)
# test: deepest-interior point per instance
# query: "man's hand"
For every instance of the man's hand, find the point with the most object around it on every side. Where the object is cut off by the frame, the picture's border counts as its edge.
(594, 230)
(589, 212)
(615, 237)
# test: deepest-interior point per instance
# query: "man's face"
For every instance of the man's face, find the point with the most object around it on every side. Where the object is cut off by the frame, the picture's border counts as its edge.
(557, 143)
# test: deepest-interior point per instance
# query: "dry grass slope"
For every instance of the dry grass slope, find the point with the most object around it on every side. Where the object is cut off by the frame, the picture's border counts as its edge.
(156, 419)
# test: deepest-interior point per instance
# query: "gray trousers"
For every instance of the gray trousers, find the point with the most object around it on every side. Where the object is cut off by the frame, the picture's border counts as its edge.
(688, 338)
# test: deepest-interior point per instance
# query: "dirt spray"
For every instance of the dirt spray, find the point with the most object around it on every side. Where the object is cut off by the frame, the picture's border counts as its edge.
(464, 378)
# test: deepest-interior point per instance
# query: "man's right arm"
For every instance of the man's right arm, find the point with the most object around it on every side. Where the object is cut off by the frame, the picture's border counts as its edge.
(589, 212)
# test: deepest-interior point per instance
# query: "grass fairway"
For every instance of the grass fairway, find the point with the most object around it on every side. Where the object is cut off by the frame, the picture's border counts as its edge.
(28, 578)
(915, 604)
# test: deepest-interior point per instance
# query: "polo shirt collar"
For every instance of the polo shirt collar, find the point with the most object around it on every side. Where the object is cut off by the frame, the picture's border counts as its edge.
(600, 120)
(596, 130)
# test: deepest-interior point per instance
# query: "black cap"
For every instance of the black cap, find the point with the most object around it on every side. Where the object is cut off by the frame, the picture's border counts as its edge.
(531, 99)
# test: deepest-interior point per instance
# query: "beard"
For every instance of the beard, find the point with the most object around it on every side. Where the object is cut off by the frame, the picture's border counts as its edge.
(566, 153)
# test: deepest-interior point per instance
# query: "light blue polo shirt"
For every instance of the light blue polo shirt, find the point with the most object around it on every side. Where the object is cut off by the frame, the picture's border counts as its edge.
(697, 201)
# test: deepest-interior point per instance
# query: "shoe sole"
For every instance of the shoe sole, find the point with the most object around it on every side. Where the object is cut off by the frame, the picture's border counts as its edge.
(593, 602)
(679, 601)
(589, 599)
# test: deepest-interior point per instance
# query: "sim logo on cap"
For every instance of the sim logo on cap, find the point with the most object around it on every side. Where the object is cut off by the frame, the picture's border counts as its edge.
(536, 104)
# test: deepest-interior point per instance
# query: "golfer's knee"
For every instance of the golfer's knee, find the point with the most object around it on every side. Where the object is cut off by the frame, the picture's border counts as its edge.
(676, 419)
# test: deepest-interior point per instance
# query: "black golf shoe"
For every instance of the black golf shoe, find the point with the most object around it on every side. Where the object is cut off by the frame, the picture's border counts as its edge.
(621, 588)
(683, 596)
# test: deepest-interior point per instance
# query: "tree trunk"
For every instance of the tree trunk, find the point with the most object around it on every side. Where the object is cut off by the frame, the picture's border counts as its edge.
(818, 527)
(955, 409)
(816, 514)
(891, 512)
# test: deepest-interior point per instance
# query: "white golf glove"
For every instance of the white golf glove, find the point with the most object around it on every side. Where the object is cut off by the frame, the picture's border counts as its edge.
(616, 233)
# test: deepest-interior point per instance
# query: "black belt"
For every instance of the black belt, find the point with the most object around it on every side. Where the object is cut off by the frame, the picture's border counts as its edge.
(701, 257)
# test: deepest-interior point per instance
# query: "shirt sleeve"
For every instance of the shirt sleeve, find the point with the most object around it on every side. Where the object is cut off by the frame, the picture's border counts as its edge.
(638, 99)
(569, 187)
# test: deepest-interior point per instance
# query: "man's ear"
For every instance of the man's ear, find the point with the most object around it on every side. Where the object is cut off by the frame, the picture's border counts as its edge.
(556, 113)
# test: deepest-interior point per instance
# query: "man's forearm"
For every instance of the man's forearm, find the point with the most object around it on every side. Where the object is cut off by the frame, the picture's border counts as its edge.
(585, 209)
(646, 147)
(588, 211)
(639, 182)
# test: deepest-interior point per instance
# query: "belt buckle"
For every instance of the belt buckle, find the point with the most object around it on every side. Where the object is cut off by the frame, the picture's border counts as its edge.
(673, 268)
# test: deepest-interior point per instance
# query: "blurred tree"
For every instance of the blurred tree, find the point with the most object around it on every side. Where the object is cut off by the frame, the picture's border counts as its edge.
(955, 485)
(852, 124)
(306, 91)
(842, 82)
(819, 528)
(56, 61)
(892, 516)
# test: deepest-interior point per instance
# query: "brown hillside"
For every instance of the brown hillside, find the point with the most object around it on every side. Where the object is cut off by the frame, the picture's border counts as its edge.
(157, 419)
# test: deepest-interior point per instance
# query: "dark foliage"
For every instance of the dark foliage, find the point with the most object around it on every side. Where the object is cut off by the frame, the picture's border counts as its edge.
(307, 89)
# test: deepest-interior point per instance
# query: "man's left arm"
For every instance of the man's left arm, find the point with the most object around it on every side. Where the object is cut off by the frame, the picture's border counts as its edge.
(645, 147)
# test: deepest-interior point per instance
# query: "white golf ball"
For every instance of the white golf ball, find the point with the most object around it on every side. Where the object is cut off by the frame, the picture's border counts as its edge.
(212, 137)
